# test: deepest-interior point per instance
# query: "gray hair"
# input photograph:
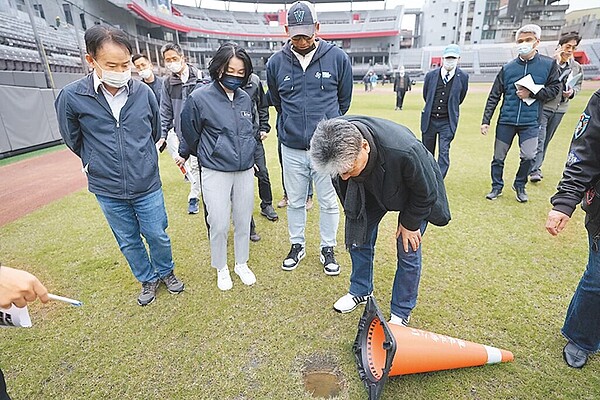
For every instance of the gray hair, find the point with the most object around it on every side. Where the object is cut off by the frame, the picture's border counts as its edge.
(530, 28)
(334, 146)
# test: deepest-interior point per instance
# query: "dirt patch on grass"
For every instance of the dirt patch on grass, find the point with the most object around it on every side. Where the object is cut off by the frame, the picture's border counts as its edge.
(30, 184)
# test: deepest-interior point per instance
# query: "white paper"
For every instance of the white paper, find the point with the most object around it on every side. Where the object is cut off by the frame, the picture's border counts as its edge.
(528, 83)
(572, 81)
(15, 317)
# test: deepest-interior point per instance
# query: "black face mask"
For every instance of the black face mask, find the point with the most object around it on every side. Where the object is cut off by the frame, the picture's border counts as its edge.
(305, 51)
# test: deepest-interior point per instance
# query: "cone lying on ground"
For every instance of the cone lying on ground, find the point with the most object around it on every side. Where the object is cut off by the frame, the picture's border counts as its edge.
(383, 350)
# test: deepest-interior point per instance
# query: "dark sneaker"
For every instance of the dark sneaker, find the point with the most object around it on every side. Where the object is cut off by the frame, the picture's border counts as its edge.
(292, 260)
(494, 194)
(535, 177)
(521, 195)
(173, 284)
(148, 293)
(255, 237)
(396, 320)
(269, 212)
(330, 265)
(348, 302)
(193, 206)
(574, 356)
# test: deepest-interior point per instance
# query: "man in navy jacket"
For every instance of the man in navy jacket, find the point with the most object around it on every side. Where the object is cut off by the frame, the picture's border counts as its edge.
(309, 80)
(112, 123)
(521, 108)
(444, 90)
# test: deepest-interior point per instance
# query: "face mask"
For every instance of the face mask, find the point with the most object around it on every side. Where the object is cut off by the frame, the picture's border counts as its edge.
(305, 51)
(524, 48)
(450, 64)
(145, 73)
(174, 67)
(402, 73)
(231, 82)
(114, 79)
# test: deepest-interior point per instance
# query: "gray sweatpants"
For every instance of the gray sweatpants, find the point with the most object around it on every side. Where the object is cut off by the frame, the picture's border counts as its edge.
(224, 192)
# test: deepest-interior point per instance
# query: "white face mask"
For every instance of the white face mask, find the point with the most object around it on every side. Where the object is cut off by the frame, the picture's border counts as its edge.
(113, 78)
(450, 63)
(145, 73)
(174, 67)
(524, 48)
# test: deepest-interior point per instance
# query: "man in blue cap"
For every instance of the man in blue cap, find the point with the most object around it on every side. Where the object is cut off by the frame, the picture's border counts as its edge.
(444, 90)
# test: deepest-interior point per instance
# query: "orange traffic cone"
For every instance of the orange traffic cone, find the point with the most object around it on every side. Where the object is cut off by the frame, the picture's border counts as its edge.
(383, 350)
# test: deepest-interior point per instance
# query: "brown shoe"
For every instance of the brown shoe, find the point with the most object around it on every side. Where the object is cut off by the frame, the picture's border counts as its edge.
(309, 203)
(283, 202)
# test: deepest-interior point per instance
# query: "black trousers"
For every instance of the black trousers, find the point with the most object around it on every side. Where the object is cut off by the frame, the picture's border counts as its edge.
(400, 98)
(3, 392)
(262, 174)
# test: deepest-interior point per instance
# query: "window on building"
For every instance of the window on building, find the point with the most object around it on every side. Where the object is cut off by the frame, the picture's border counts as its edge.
(68, 15)
(82, 19)
(442, 37)
(21, 5)
(446, 11)
(39, 10)
(443, 24)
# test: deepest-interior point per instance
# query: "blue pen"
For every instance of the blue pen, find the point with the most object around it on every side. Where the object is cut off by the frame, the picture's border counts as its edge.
(65, 299)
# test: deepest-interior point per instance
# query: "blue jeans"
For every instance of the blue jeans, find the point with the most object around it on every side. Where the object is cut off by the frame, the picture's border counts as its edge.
(442, 128)
(130, 220)
(408, 270)
(298, 174)
(582, 323)
(549, 123)
(528, 137)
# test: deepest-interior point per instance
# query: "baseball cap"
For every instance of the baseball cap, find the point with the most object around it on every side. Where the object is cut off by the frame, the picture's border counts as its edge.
(452, 50)
(301, 19)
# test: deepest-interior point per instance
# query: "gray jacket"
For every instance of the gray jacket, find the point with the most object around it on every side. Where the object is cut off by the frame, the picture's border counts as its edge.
(572, 69)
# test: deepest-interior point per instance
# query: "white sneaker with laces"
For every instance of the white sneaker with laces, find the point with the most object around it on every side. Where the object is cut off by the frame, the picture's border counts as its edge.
(224, 279)
(396, 320)
(348, 302)
(245, 274)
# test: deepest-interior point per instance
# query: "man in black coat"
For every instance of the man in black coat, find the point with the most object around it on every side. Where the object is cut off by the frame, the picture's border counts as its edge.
(379, 166)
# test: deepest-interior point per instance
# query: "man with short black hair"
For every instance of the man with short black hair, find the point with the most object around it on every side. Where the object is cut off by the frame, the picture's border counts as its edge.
(177, 87)
(146, 72)
(309, 80)
(112, 123)
(379, 166)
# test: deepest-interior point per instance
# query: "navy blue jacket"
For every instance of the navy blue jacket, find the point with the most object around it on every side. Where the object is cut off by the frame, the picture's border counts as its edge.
(515, 111)
(220, 132)
(303, 98)
(457, 95)
(120, 156)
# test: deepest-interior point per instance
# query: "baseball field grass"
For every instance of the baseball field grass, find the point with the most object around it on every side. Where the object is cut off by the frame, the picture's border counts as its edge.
(492, 276)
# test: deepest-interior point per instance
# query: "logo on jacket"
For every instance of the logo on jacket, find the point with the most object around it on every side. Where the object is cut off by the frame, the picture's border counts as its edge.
(326, 75)
(572, 158)
(299, 15)
(286, 78)
(246, 114)
(582, 125)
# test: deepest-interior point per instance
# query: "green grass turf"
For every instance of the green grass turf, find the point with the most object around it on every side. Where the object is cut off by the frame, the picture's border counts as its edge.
(492, 276)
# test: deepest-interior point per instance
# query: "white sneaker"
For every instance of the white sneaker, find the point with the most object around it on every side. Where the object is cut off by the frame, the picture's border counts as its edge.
(224, 279)
(396, 320)
(247, 276)
(348, 302)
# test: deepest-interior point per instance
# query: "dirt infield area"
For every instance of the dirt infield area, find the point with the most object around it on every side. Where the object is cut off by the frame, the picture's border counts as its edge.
(32, 183)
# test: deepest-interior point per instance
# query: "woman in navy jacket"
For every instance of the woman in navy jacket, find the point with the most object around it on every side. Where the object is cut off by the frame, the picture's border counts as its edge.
(217, 127)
